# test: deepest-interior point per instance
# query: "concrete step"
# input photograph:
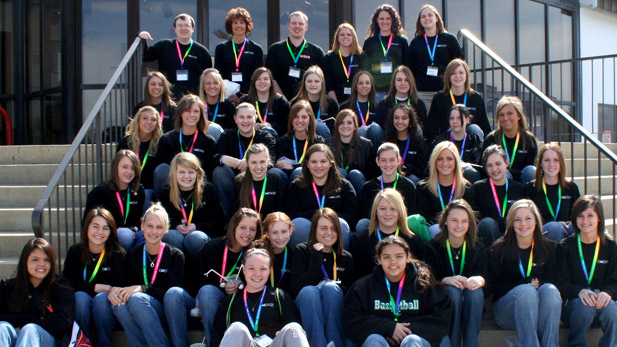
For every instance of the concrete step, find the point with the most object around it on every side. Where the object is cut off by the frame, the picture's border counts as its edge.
(580, 167)
(40, 174)
(605, 184)
(12, 242)
(8, 266)
(19, 219)
(48, 154)
(28, 196)
(578, 149)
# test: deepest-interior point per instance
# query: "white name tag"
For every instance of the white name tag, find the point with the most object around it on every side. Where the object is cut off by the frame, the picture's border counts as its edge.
(236, 76)
(347, 90)
(432, 71)
(182, 75)
(294, 72)
(386, 67)
(263, 341)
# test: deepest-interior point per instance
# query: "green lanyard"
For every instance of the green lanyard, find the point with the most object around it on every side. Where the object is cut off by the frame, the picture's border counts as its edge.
(588, 277)
(450, 257)
(548, 203)
(295, 57)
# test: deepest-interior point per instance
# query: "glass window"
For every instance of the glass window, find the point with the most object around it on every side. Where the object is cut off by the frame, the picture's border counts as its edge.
(6, 47)
(410, 15)
(52, 43)
(218, 12)
(464, 14)
(53, 118)
(319, 25)
(560, 33)
(103, 39)
(531, 31)
(157, 17)
(500, 28)
(363, 12)
(33, 40)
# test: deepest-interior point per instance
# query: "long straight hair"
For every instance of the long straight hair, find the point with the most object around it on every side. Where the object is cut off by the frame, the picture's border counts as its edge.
(295, 109)
(111, 245)
(563, 171)
(471, 236)
(234, 221)
(334, 180)
(252, 96)
(433, 175)
(246, 177)
(167, 101)
(189, 161)
(353, 97)
(333, 217)
(114, 180)
(354, 146)
(413, 89)
(303, 93)
(395, 199)
(517, 105)
(133, 131)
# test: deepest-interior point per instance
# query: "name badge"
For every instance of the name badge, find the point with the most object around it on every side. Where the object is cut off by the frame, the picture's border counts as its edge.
(236, 76)
(182, 75)
(347, 90)
(263, 341)
(294, 72)
(386, 67)
(432, 71)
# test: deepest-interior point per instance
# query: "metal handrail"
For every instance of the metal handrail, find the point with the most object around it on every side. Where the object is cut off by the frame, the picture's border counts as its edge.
(464, 33)
(37, 214)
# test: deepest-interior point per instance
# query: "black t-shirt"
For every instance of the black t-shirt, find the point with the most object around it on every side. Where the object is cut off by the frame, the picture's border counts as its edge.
(225, 112)
(168, 112)
(225, 61)
(485, 203)
(170, 145)
(147, 171)
(166, 52)
(360, 109)
(418, 59)
(277, 114)
(395, 55)
(526, 152)
(279, 61)
(440, 117)
(336, 77)
(568, 197)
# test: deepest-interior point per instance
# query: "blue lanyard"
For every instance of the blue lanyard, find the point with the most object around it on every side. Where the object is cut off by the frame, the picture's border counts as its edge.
(431, 54)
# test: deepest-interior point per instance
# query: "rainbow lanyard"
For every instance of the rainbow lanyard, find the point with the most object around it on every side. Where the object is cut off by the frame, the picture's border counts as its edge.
(283, 269)
(96, 268)
(185, 54)
(548, 202)
(406, 149)
(143, 163)
(450, 257)
(156, 268)
(384, 49)
(395, 304)
(443, 207)
(395, 182)
(323, 198)
(225, 263)
(255, 323)
(588, 276)
(242, 151)
(265, 117)
(128, 204)
(319, 114)
(190, 218)
(452, 96)
(529, 263)
(343, 162)
(503, 141)
(238, 56)
(216, 111)
(261, 196)
(431, 54)
(192, 144)
(501, 210)
(296, 151)
(368, 112)
(295, 57)
(462, 146)
(379, 233)
(347, 71)
(325, 273)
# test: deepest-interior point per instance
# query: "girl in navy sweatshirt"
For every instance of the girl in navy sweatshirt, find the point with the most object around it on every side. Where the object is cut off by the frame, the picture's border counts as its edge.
(400, 303)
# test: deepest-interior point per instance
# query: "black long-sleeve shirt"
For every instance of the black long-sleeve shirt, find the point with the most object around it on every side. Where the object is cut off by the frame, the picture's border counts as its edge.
(110, 272)
(208, 217)
(367, 309)
(277, 115)
(439, 117)
(169, 146)
(251, 58)
(436, 256)
(568, 197)
(285, 148)
(375, 55)
(274, 195)
(336, 79)
(171, 270)
(404, 186)
(306, 268)
(224, 114)
(485, 202)
(415, 159)
(361, 157)
(418, 59)
(385, 107)
(430, 205)
(210, 257)
(103, 196)
(230, 139)
(364, 107)
(279, 61)
(301, 202)
(525, 155)
(168, 113)
(196, 61)
(147, 172)
(571, 276)
(56, 319)
(472, 153)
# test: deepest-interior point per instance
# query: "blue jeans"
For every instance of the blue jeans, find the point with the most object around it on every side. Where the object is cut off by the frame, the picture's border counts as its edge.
(322, 130)
(434, 230)
(468, 306)
(533, 313)
(191, 242)
(579, 318)
(302, 228)
(554, 231)
(142, 318)
(209, 299)
(150, 197)
(281, 174)
(528, 174)
(126, 237)
(362, 226)
(471, 174)
(297, 172)
(357, 180)
(373, 132)
(320, 310)
(215, 131)
(178, 303)
(30, 335)
(415, 179)
(223, 179)
(413, 340)
(98, 307)
(160, 178)
(488, 231)
(475, 129)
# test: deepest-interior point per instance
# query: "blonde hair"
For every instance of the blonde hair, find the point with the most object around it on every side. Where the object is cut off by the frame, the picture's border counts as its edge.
(216, 76)
(355, 46)
(452, 65)
(413, 89)
(303, 93)
(133, 131)
(159, 211)
(433, 181)
(189, 161)
(395, 199)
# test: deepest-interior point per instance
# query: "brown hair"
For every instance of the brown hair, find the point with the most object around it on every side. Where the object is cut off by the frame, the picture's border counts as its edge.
(111, 245)
(252, 96)
(471, 236)
(353, 150)
(330, 215)
(230, 236)
(397, 24)
(453, 65)
(114, 180)
(133, 131)
(580, 205)
(334, 180)
(420, 29)
(293, 112)
(563, 181)
(241, 14)
(413, 89)
(185, 104)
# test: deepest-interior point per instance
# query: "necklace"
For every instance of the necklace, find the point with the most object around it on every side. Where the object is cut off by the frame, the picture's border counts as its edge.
(153, 260)
(457, 253)
(93, 257)
(187, 199)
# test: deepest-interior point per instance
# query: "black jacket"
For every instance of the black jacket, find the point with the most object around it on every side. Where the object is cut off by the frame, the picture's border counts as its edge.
(436, 256)
(418, 59)
(367, 309)
(103, 196)
(169, 146)
(440, 117)
(110, 272)
(525, 155)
